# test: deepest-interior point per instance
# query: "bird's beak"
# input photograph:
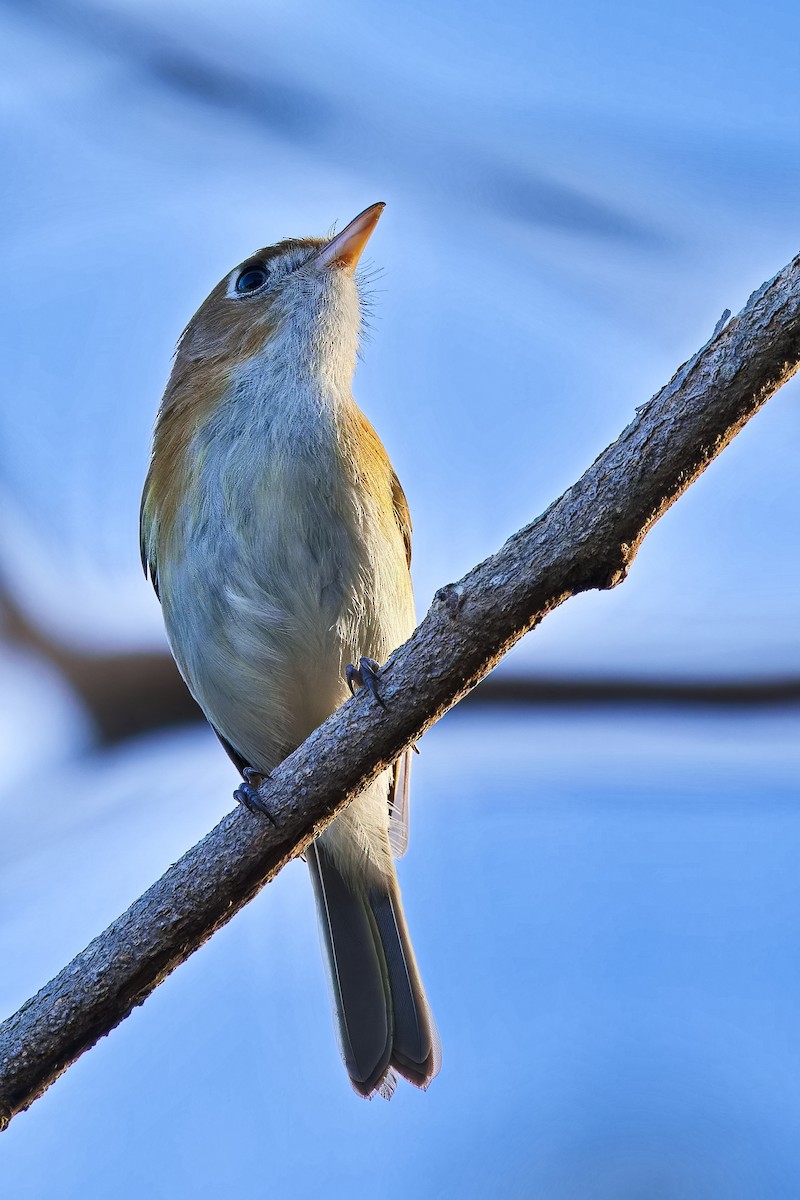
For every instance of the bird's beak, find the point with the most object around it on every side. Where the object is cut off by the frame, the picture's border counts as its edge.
(346, 248)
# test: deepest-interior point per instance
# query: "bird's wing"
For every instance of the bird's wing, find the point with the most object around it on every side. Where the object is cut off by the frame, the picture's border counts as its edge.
(398, 796)
(399, 807)
(402, 515)
(147, 539)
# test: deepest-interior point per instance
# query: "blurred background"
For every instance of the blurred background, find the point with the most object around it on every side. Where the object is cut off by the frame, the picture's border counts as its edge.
(602, 880)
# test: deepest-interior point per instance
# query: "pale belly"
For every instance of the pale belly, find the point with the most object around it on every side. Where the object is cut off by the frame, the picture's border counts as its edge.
(267, 604)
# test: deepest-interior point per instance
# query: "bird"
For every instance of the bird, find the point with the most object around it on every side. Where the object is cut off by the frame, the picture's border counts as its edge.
(278, 540)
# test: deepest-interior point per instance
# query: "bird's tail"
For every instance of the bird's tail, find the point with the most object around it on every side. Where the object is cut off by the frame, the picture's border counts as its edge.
(382, 1014)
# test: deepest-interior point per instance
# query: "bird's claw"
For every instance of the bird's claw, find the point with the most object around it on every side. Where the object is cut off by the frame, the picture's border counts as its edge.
(247, 794)
(365, 675)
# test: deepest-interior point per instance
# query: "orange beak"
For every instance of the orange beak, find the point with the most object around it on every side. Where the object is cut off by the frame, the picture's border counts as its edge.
(346, 248)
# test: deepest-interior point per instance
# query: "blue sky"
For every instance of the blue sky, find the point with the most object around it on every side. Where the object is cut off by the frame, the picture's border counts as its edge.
(605, 908)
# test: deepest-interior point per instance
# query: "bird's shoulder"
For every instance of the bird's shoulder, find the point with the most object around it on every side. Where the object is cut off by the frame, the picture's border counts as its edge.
(402, 514)
(373, 468)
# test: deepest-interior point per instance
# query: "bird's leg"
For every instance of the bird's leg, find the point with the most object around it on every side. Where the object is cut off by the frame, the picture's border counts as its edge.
(365, 675)
(247, 793)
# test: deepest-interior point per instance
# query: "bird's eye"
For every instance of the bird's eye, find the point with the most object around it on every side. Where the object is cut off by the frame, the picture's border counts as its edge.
(251, 279)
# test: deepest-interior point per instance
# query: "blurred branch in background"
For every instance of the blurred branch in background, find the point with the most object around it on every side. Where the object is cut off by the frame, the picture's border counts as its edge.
(280, 105)
(124, 693)
(587, 539)
(127, 694)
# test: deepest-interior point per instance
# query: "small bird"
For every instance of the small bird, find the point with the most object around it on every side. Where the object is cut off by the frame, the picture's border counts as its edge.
(278, 540)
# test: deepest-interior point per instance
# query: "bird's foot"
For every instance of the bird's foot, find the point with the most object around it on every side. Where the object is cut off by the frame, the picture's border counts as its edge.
(365, 675)
(248, 796)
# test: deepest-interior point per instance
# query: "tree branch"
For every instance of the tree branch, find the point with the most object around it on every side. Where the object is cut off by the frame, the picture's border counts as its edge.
(586, 539)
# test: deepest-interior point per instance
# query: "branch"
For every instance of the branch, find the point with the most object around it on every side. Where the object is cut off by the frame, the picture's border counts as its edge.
(586, 539)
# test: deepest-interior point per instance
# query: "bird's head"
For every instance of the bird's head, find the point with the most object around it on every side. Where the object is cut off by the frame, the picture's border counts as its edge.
(284, 322)
(295, 303)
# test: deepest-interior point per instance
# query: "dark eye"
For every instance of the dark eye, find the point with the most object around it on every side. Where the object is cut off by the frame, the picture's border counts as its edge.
(251, 279)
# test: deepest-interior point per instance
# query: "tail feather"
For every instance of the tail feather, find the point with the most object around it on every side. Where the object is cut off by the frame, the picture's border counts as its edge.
(357, 974)
(382, 1014)
(415, 1045)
